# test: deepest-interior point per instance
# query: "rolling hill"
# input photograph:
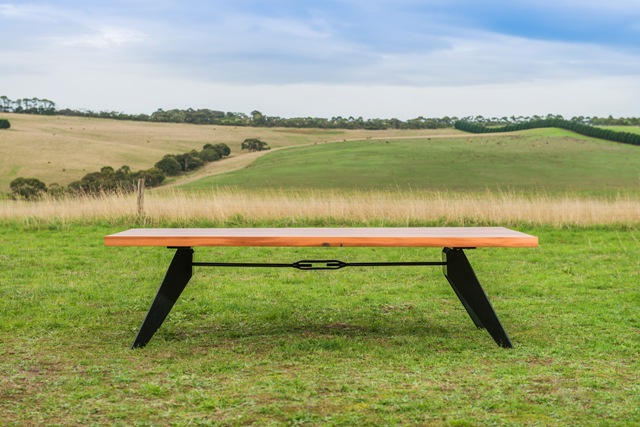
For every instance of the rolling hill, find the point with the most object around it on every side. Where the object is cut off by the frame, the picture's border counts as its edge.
(538, 160)
(63, 149)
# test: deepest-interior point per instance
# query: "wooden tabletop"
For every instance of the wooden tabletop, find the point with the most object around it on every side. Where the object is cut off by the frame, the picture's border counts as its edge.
(452, 237)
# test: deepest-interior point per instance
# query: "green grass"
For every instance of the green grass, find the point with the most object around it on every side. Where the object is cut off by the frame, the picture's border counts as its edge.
(350, 347)
(546, 160)
(630, 129)
(63, 149)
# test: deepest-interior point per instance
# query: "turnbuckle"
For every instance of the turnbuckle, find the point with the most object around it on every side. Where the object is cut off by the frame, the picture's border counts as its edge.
(315, 264)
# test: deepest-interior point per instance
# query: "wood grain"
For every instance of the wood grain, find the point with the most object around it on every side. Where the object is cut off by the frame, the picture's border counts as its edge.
(453, 237)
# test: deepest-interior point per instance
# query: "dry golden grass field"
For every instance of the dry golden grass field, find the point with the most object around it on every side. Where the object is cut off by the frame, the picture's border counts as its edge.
(321, 207)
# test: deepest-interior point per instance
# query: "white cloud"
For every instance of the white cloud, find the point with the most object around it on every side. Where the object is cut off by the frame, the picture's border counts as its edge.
(468, 59)
(25, 11)
(103, 36)
(107, 58)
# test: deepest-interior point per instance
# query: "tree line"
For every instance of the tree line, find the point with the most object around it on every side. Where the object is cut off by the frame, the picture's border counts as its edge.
(573, 125)
(27, 106)
(585, 120)
(110, 180)
(174, 164)
(258, 119)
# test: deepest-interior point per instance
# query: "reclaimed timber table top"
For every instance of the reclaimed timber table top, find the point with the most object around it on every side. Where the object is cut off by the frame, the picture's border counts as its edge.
(453, 237)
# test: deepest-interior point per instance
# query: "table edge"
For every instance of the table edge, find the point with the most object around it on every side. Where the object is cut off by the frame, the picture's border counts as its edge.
(517, 240)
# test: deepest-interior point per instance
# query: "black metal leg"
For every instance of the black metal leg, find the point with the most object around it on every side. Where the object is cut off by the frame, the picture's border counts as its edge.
(173, 284)
(464, 282)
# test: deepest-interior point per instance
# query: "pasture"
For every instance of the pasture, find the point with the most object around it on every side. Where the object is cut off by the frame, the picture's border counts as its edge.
(530, 161)
(63, 149)
(388, 346)
(631, 129)
(353, 347)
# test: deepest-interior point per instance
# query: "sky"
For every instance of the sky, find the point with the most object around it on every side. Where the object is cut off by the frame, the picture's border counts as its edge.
(298, 58)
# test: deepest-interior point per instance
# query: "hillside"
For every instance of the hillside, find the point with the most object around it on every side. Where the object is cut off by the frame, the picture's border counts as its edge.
(537, 160)
(63, 149)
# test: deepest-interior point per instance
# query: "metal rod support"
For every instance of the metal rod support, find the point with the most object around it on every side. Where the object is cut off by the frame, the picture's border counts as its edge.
(316, 264)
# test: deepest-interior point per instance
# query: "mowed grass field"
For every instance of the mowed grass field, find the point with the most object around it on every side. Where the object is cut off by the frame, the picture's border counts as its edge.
(354, 347)
(532, 161)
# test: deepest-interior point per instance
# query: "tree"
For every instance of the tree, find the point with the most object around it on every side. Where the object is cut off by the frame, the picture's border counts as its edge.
(257, 118)
(222, 149)
(28, 188)
(152, 177)
(209, 155)
(5, 104)
(169, 165)
(4, 124)
(189, 161)
(55, 190)
(253, 144)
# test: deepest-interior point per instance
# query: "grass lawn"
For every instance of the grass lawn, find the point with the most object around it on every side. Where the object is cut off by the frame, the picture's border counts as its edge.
(350, 347)
(540, 160)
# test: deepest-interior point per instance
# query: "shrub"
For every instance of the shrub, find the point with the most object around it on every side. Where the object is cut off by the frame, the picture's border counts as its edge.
(222, 149)
(55, 190)
(109, 180)
(189, 161)
(253, 144)
(152, 177)
(169, 165)
(209, 155)
(4, 124)
(28, 188)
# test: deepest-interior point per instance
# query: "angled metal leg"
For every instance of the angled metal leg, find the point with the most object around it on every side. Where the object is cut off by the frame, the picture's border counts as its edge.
(464, 282)
(173, 284)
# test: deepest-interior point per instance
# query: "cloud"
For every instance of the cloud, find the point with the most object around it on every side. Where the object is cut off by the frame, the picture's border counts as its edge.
(471, 58)
(25, 11)
(102, 37)
(143, 93)
(351, 54)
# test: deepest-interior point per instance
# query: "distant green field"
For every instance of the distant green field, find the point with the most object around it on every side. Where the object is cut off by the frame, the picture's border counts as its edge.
(630, 129)
(539, 160)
